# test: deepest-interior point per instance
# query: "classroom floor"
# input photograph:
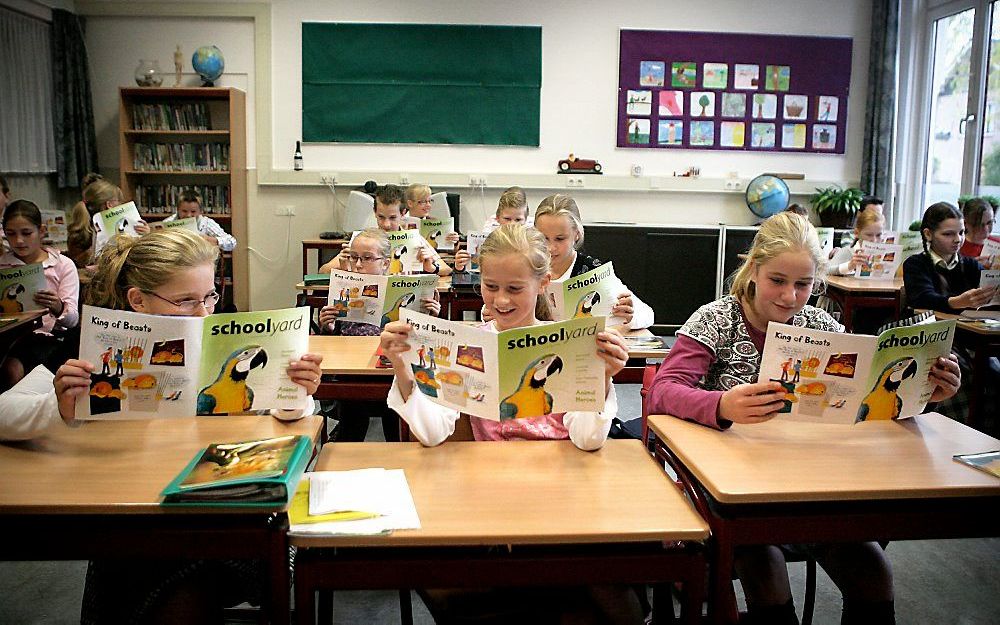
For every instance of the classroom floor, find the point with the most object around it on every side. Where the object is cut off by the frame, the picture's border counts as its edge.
(937, 581)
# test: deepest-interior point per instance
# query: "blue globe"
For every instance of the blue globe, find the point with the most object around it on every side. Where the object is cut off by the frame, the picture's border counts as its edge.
(767, 195)
(209, 63)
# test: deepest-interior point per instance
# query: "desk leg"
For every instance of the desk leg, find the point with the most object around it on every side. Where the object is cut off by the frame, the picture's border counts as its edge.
(846, 317)
(278, 600)
(977, 398)
(694, 596)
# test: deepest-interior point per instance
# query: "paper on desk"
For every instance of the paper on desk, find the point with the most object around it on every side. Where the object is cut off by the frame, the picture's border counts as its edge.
(394, 493)
(360, 490)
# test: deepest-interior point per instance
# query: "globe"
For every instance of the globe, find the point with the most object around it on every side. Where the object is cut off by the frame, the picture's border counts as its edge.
(208, 62)
(767, 195)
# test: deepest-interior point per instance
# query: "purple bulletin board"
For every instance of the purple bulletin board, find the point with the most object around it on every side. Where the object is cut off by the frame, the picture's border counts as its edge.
(724, 91)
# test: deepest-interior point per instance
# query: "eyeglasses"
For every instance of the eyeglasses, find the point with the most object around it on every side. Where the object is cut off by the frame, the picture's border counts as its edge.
(354, 258)
(189, 305)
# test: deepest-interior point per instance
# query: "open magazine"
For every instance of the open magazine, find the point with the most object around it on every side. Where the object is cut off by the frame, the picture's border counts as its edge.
(155, 366)
(833, 377)
(991, 249)
(911, 242)
(521, 373)
(56, 228)
(473, 242)
(590, 294)
(188, 223)
(18, 286)
(115, 221)
(436, 231)
(883, 259)
(376, 299)
(825, 235)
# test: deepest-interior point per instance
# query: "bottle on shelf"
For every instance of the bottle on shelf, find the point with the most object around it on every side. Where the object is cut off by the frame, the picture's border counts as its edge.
(297, 159)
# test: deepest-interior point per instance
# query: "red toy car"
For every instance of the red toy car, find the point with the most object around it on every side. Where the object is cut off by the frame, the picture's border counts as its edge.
(579, 166)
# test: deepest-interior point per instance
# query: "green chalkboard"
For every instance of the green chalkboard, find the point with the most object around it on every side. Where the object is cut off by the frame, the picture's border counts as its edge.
(421, 83)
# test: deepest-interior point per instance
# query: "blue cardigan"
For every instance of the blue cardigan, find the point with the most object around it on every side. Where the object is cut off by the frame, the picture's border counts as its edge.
(930, 287)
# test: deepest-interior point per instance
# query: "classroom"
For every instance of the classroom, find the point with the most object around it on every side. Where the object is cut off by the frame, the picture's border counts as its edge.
(256, 254)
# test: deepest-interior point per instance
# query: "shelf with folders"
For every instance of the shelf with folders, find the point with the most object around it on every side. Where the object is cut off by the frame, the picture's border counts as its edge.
(174, 140)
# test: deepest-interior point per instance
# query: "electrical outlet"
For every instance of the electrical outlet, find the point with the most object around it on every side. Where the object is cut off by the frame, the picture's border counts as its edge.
(285, 211)
(328, 178)
(404, 178)
(734, 184)
(477, 181)
(574, 181)
(636, 170)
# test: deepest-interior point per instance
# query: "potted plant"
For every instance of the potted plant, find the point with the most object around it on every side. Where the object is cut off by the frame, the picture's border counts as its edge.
(836, 206)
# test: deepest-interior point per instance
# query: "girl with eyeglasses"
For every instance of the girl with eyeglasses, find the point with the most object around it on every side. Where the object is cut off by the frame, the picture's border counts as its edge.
(368, 253)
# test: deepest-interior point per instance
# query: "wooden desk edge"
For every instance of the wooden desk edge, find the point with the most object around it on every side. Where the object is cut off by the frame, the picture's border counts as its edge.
(811, 496)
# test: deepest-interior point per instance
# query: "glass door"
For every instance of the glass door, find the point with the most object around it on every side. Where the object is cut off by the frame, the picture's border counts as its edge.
(952, 117)
(989, 153)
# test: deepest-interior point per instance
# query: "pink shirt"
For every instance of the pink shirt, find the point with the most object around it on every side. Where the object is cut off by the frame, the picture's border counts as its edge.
(62, 279)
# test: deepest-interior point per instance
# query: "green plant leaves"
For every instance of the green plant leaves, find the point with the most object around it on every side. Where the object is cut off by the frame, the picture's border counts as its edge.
(836, 199)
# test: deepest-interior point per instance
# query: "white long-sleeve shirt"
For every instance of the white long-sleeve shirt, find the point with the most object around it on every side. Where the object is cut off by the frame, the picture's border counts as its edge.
(840, 264)
(642, 313)
(29, 408)
(210, 227)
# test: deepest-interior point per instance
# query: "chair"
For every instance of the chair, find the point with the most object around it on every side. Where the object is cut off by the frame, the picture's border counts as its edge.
(701, 505)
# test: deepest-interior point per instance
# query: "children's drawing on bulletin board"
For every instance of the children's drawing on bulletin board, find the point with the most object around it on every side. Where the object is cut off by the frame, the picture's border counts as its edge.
(733, 91)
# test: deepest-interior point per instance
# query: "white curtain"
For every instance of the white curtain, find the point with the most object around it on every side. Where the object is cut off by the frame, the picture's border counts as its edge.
(26, 131)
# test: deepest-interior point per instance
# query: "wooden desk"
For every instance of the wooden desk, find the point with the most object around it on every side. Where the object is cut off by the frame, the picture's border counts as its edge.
(318, 244)
(851, 293)
(573, 521)
(94, 492)
(785, 482)
(23, 325)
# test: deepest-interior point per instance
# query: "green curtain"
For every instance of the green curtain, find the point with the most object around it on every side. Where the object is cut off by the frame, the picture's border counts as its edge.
(418, 83)
(73, 112)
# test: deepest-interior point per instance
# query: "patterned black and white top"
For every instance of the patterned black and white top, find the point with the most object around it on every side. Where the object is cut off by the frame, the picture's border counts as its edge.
(721, 327)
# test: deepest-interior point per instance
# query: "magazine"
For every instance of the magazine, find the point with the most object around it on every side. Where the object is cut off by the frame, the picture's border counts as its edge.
(520, 373)
(188, 223)
(911, 242)
(242, 473)
(18, 286)
(590, 294)
(833, 377)
(436, 231)
(115, 221)
(990, 278)
(991, 248)
(56, 228)
(825, 235)
(988, 461)
(405, 247)
(883, 259)
(376, 299)
(155, 366)
(472, 242)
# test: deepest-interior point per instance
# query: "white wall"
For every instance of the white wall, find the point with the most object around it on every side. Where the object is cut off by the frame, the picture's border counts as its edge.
(578, 113)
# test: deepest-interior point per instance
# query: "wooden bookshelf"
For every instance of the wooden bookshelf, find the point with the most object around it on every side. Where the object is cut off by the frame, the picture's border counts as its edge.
(224, 119)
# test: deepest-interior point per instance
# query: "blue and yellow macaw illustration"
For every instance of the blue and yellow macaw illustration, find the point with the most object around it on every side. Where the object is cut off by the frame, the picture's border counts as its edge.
(396, 264)
(883, 403)
(10, 305)
(230, 393)
(585, 307)
(393, 313)
(530, 398)
(121, 226)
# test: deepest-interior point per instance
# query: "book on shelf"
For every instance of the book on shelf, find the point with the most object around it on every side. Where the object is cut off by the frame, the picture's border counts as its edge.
(172, 116)
(835, 377)
(193, 157)
(163, 198)
(258, 472)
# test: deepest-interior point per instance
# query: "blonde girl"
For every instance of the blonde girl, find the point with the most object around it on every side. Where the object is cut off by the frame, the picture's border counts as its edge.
(23, 227)
(868, 226)
(418, 201)
(558, 219)
(710, 377)
(98, 196)
(515, 270)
